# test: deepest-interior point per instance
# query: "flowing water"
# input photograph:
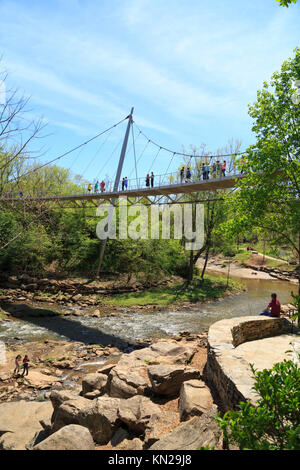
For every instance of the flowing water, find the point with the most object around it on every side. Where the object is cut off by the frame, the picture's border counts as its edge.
(128, 327)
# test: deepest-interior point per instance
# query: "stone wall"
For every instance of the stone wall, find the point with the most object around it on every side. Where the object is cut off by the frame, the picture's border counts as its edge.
(256, 329)
(227, 372)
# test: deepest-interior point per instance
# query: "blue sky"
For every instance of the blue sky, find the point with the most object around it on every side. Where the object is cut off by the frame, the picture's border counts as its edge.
(189, 67)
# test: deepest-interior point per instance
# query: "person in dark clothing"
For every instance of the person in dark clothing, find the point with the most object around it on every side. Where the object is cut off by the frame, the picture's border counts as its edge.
(188, 175)
(147, 180)
(182, 175)
(25, 365)
(152, 179)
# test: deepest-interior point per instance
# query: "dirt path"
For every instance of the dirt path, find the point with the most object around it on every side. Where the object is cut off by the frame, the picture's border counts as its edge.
(219, 265)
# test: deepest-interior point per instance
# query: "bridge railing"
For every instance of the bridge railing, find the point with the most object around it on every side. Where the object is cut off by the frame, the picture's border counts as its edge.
(167, 179)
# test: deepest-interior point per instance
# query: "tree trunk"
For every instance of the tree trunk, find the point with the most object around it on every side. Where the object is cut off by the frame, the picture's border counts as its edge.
(191, 268)
(205, 262)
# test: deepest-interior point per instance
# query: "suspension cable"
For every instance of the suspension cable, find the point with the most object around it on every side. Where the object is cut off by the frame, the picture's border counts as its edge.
(66, 153)
(185, 154)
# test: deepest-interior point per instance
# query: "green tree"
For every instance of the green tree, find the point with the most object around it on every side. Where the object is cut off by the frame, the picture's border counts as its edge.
(286, 3)
(267, 200)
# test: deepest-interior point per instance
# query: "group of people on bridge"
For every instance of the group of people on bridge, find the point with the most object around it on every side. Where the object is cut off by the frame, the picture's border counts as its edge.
(97, 186)
(205, 172)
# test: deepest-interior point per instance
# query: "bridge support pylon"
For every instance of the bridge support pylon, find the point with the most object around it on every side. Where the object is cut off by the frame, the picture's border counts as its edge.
(116, 188)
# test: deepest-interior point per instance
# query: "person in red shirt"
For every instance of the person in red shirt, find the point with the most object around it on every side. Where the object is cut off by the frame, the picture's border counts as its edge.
(273, 309)
(25, 365)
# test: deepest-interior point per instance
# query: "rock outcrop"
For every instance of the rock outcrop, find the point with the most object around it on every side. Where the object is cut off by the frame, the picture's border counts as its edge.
(200, 431)
(20, 422)
(71, 437)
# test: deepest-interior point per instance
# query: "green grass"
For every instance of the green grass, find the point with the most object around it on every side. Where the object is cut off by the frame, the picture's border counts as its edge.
(210, 289)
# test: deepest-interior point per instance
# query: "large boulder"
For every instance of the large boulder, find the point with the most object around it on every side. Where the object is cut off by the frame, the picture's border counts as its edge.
(195, 399)
(68, 411)
(136, 412)
(71, 437)
(128, 379)
(94, 382)
(172, 353)
(159, 425)
(58, 397)
(36, 379)
(101, 418)
(200, 431)
(166, 379)
(20, 422)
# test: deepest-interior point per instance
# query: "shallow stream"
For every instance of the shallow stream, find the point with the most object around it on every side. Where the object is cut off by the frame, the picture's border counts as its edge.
(128, 327)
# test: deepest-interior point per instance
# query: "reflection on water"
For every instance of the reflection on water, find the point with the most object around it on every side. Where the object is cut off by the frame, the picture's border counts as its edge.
(157, 324)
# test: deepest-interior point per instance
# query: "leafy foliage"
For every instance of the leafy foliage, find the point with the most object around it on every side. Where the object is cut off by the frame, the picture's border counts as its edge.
(275, 423)
(286, 3)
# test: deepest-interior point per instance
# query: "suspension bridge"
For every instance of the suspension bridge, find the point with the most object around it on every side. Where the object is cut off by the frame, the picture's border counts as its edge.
(166, 187)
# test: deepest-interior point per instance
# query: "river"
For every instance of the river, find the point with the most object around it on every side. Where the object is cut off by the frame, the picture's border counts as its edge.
(128, 327)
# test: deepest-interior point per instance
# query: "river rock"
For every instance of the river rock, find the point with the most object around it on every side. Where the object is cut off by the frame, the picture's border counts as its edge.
(195, 399)
(172, 353)
(135, 412)
(40, 381)
(200, 431)
(159, 425)
(167, 379)
(125, 381)
(130, 376)
(133, 444)
(71, 437)
(119, 436)
(94, 382)
(100, 418)
(68, 411)
(59, 397)
(20, 421)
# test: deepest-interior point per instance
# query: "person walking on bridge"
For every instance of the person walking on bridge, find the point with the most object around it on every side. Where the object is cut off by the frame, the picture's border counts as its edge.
(125, 183)
(214, 170)
(188, 175)
(182, 175)
(90, 187)
(224, 168)
(102, 186)
(96, 189)
(147, 180)
(152, 179)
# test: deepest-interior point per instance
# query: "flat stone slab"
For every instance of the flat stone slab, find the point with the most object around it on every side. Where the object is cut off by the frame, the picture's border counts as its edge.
(234, 344)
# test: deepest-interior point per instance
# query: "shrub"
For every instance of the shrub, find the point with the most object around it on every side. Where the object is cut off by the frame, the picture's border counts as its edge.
(274, 424)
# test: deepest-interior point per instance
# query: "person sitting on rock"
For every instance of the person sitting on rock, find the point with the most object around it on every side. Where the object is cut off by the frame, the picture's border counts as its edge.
(273, 309)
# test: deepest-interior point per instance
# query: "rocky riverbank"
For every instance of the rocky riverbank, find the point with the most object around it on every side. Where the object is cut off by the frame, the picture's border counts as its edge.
(83, 293)
(153, 397)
